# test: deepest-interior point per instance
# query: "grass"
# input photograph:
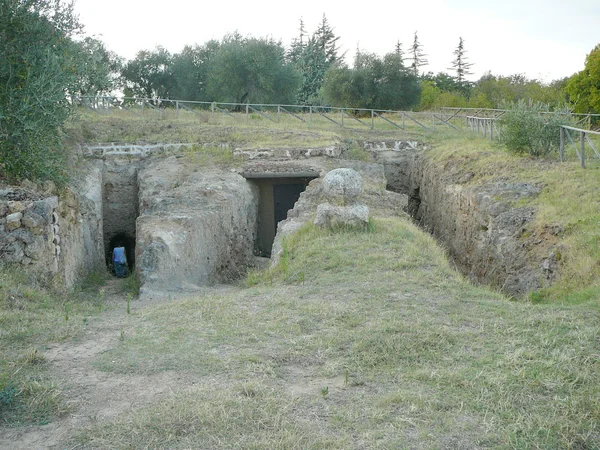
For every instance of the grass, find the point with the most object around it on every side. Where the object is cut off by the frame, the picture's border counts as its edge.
(32, 317)
(365, 340)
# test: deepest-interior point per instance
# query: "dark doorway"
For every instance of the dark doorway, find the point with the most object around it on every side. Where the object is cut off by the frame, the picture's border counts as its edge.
(277, 195)
(122, 240)
(285, 197)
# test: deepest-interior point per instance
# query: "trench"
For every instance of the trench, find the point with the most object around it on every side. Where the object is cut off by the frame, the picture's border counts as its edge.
(120, 210)
(278, 194)
(483, 228)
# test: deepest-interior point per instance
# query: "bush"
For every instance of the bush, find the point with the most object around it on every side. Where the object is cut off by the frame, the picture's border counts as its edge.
(532, 128)
(40, 64)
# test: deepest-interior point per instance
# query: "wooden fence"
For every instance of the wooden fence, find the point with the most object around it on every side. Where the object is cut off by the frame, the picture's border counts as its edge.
(584, 137)
(368, 118)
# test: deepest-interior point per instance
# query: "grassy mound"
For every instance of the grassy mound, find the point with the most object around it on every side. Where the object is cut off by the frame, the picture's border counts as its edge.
(361, 340)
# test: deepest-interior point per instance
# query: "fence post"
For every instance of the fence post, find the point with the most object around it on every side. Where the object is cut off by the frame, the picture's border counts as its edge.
(177, 108)
(278, 113)
(561, 149)
(212, 110)
(310, 114)
(582, 149)
(342, 115)
(491, 130)
(372, 119)
(247, 108)
(403, 120)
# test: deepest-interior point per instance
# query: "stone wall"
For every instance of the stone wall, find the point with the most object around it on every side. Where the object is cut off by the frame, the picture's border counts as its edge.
(54, 236)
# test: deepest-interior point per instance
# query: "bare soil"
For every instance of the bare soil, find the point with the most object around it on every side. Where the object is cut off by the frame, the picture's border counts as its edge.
(94, 395)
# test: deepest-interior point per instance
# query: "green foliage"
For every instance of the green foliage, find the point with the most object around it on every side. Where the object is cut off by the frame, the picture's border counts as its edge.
(526, 130)
(373, 83)
(313, 59)
(40, 65)
(149, 75)
(251, 70)
(461, 64)
(102, 68)
(493, 91)
(584, 87)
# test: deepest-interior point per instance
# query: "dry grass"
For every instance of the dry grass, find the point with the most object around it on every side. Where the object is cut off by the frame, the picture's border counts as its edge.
(32, 317)
(363, 340)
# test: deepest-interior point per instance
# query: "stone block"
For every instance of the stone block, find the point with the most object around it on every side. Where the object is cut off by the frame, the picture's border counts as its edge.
(34, 222)
(331, 216)
(15, 206)
(343, 186)
(23, 235)
(13, 221)
(13, 253)
(36, 249)
(45, 208)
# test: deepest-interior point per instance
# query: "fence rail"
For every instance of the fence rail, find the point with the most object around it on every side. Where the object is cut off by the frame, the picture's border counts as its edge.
(584, 136)
(483, 121)
(273, 112)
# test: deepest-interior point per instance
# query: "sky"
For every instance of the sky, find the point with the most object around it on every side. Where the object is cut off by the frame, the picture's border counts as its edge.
(546, 40)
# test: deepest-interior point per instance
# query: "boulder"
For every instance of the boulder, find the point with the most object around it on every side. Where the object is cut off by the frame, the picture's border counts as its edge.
(343, 186)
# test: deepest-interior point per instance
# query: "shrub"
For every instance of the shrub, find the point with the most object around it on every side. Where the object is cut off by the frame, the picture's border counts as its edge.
(531, 128)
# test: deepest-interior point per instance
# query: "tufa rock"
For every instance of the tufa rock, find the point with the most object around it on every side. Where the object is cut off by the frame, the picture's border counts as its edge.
(331, 216)
(343, 186)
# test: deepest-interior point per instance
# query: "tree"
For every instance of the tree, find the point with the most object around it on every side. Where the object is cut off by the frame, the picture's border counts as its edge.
(314, 59)
(41, 66)
(102, 68)
(326, 40)
(298, 44)
(460, 64)
(251, 70)
(584, 87)
(373, 83)
(149, 75)
(417, 56)
(190, 70)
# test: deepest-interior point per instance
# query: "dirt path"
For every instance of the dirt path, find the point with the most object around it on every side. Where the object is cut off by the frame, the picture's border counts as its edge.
(93, 395)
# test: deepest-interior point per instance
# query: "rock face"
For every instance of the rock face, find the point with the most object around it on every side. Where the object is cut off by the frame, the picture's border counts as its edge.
(485, 233)
(196, 226)
(341, 190)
